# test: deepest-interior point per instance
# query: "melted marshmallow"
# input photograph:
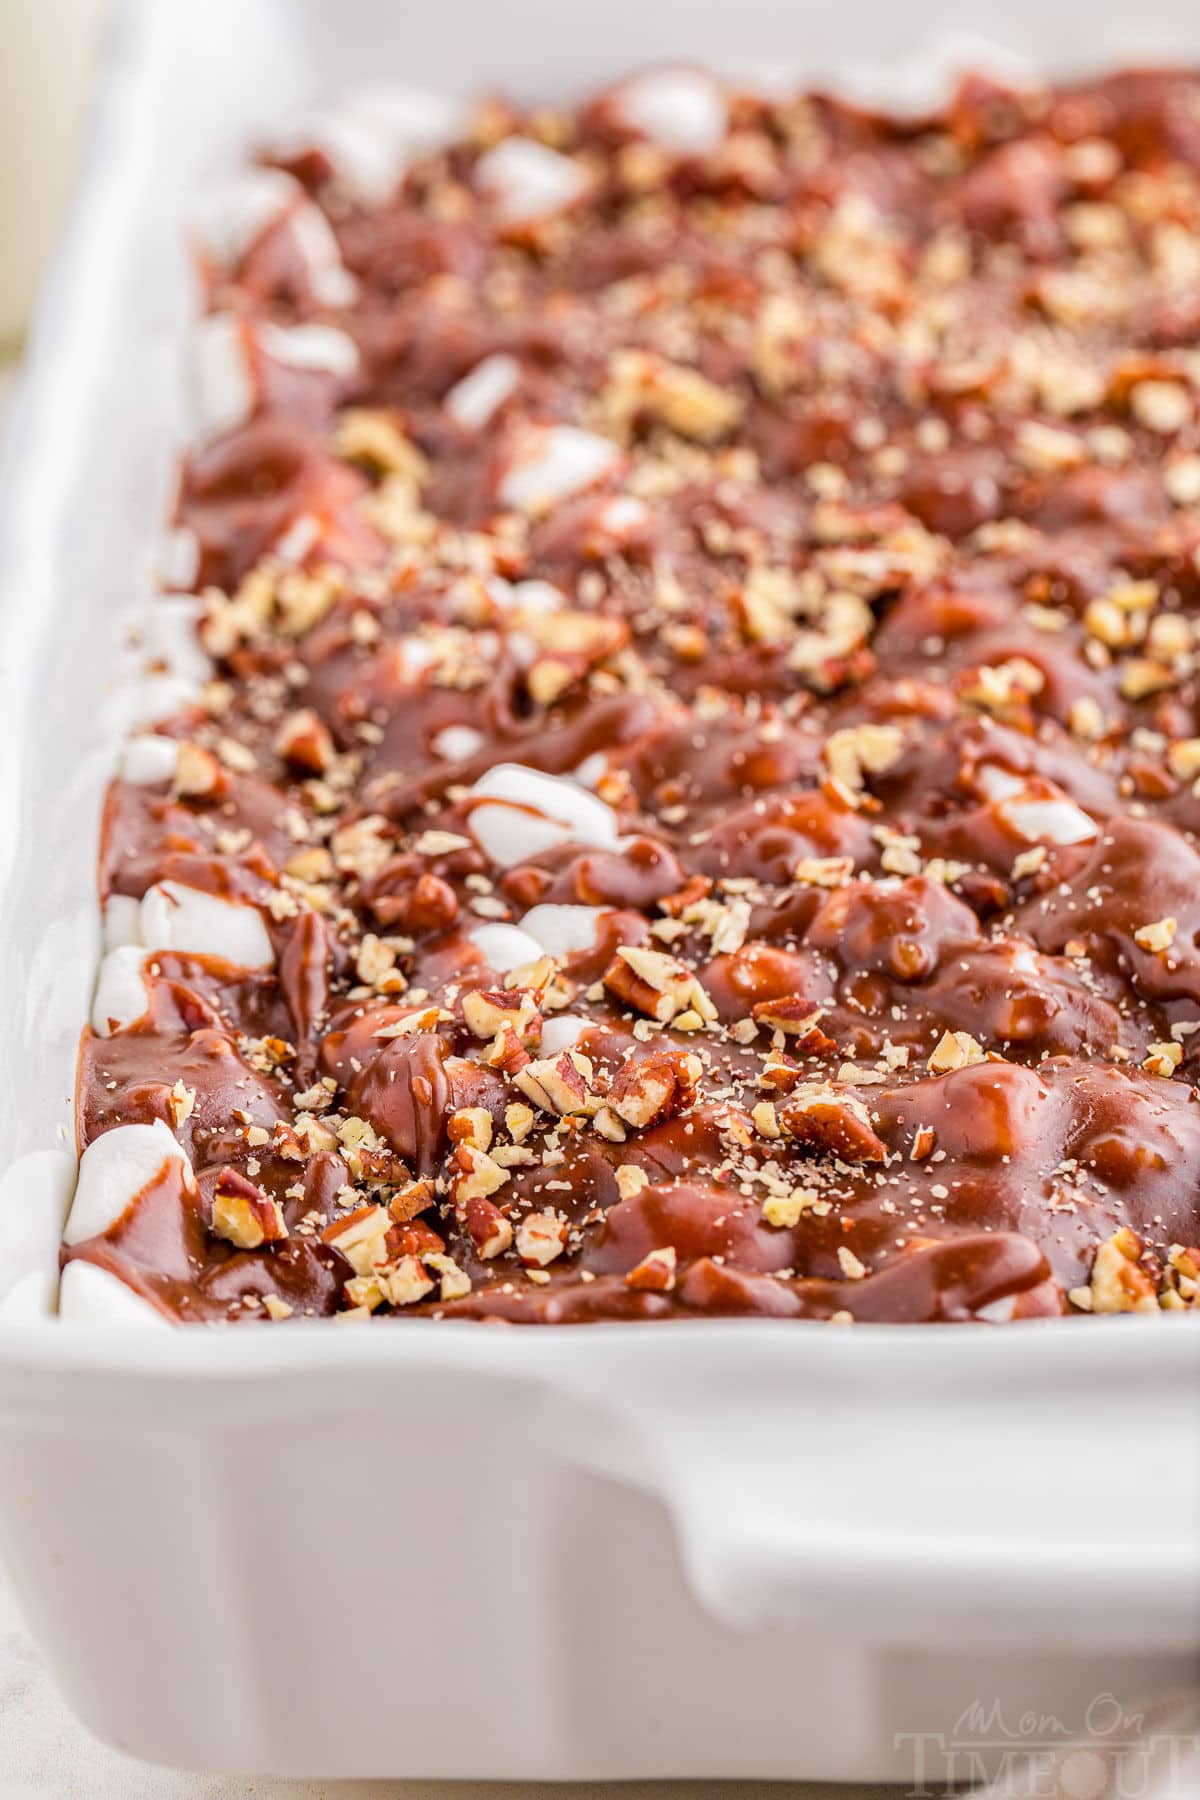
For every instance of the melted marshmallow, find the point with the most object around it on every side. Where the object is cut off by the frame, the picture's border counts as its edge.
(472, 401)
(563, 930)
(221, 391)
(681, 110)
(121, 996)
(114, 1170)
(521, 812)
(552, 463)
(504, 947)
(175, 917)
(1057, 821)
(88, 1295)
(525, 180)
(148, 759)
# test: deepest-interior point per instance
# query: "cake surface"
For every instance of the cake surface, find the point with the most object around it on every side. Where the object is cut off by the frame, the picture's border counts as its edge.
(677, 793)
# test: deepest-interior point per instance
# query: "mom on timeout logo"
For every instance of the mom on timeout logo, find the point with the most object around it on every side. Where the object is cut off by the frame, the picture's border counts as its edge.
(1112, 1752)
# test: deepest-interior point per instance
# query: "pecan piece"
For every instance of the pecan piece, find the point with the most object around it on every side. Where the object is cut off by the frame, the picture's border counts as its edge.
(659, 986)
(243, 1215)
(655, 1087)
(559, 1084)
(821, 1116)
(655, 1273)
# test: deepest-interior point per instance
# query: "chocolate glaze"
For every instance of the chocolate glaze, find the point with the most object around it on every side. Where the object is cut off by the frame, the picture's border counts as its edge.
(878, 639)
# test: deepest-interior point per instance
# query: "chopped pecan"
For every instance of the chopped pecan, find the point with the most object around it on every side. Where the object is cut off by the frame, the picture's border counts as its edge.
(487, 1011)
(361, 1237)
(655, 1273)
(1119, 1282)
(659, 986)
(541, 1236)
(829, 1120)
(655, 1087)
(487, 1227)
(304, 742)
(243, 1215)
(559, 1084)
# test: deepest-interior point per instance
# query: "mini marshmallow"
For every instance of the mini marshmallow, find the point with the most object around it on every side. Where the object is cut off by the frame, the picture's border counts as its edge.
(536, 596)
(221, 389)
(317, 349)
(1057, 821)
(179, 559)
(525, 180)
(168, 636)
(624, 515)
(122, 922)
(681, 110)
(115, 1169)
(89, 1295)
(560, 1033)
(121, 996)
(996, 783)
(456, 743)
(371, 135)
(332, 283)
(472, 401)
(523, 812)
(195, 923)
(591, 770)
(148, 759)
(294, 544)
(552, 463)
(233, 214)
(504, 947)
(563, 930)
(157, 698)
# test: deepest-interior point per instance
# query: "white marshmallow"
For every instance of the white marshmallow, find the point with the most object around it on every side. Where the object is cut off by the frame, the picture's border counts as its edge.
(168, 636)
(319, 349)
(233, 215)
(179, 559)
(996, 783)
(998, 1312)
(221, 388)
(89, 1295)
(472, 401)
(114, 1170)
(157, 698)
(562, 930)
(589, 772)
(174, 917)
(122, 922)
(552, 463)
(560, 1033)
(504, 947)
(148, 759)
(371, 135)
(1057, 821)
(457, 742)
(682, 110)
(331, 281)
(523, 812)
(294, 544)
(624, 515)
(527, 180)
(536, 596)
(121, 995)
(236, 212)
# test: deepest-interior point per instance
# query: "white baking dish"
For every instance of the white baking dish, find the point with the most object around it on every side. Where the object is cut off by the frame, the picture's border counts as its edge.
(740, 1549)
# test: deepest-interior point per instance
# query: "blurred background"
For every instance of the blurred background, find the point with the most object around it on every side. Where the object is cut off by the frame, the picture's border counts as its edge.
(45, 66)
